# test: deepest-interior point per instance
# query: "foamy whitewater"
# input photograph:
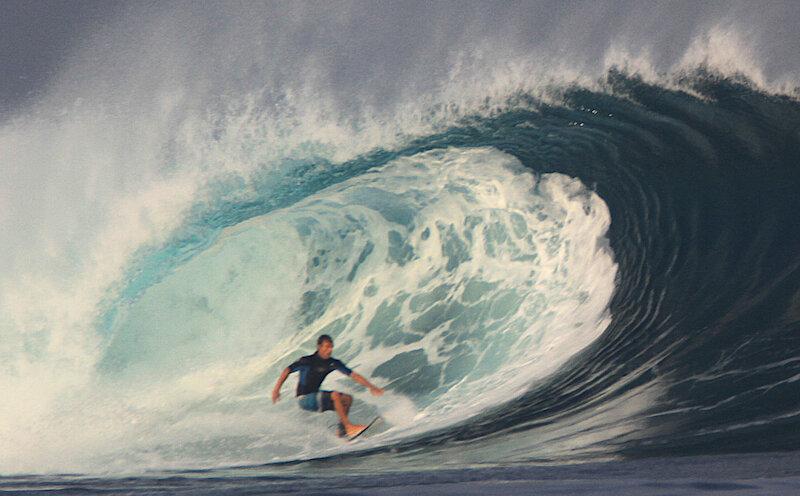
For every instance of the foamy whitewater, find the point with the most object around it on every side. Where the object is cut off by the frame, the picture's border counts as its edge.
(551, 238)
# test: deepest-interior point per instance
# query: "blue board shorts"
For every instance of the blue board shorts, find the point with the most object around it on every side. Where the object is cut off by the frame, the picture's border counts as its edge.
(321, 401)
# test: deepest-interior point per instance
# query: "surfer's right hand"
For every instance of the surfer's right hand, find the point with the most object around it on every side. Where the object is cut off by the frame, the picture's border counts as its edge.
(276, 396)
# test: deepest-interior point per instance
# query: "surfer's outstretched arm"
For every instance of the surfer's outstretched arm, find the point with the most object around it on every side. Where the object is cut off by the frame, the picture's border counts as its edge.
(276, 393)
(372, 389)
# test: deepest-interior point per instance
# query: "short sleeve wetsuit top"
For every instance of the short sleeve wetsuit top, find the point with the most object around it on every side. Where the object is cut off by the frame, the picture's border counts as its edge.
(313, 370)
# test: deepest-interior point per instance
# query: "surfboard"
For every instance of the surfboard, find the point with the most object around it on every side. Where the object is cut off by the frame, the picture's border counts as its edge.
(352, 438)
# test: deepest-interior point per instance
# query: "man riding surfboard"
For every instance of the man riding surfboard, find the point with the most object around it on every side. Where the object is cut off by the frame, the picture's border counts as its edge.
(313, 370)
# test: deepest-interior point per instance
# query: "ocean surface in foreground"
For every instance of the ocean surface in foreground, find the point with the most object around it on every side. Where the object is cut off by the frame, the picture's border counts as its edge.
(745, 475)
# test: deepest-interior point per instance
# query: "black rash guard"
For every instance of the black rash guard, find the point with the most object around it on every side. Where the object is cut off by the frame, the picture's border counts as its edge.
(313, 370)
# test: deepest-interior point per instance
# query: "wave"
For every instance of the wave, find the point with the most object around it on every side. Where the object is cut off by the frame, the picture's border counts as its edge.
(538, 262)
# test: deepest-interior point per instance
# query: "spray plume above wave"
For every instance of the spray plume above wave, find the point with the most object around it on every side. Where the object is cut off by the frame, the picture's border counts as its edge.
(465, 209)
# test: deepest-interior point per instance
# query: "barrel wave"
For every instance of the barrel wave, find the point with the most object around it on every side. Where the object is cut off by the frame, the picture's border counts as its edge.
(550, 271)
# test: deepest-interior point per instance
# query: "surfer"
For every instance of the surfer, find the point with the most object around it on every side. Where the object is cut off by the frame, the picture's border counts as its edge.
(313, 370)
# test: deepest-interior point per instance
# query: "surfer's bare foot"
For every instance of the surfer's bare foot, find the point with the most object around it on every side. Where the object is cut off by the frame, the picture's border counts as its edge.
(352, 430)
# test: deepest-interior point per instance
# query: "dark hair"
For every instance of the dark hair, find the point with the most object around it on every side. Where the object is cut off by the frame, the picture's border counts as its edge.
(324, 338)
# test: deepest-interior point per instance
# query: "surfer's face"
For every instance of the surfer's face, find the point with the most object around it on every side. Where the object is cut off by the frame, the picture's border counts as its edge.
(325, 349)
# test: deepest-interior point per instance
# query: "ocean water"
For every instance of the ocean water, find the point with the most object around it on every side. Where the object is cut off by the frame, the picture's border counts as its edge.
(569, 254)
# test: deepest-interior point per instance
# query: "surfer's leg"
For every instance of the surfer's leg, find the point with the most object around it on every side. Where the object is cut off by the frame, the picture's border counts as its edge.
(347, 400)
(339, 402)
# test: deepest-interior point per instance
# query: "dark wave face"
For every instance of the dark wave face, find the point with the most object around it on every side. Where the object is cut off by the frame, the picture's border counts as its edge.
(540, 259)
(701, 352)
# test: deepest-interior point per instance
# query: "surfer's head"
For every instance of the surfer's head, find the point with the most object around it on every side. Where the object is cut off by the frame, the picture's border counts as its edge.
(325, 346)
